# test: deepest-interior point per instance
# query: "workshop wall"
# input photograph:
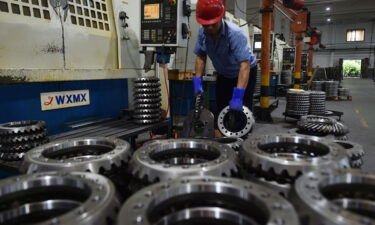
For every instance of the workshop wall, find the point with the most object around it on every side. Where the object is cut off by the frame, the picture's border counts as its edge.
(22, 102)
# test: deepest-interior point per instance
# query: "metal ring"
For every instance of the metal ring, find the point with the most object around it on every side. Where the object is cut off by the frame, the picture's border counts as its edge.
(18, 127)
(169, 159)
(146, 111)
(147, 85)
(58, 198)
(247, 128)
(147, 121)
(336, 197)
(152, 95)
(146, 90)
(286, 156)
(147, 106)
(146, 79)
(207, 200)
(147, 101)
(147, 116)
(78, 154)
(234, 143)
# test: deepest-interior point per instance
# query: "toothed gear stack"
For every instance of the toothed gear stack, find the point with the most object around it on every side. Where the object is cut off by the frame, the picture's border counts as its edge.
(298, 102)
(234, 143)
(344, 92)
(317, 103)
(88, 154)
(169, 159)
(207, 200)
(297, 131)
(322, 125)
(317, 86)
(147, 101)
(355, 153)
(331, 88)
(18, 137)
(58, 198)
(284, 157)
(335, 197)
(257, 84)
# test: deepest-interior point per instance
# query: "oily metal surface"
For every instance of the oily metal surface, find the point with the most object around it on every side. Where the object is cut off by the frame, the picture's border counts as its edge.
(169, 159)
(234, 143)
(78, 154)
(57, 198)
(246, 124)
(335, 197)
(207, 200)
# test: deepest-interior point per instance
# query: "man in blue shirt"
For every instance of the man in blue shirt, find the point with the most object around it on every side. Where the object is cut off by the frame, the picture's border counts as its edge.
(227, 46)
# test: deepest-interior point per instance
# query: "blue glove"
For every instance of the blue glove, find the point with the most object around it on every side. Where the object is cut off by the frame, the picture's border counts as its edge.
(236, 103)
(197, 81)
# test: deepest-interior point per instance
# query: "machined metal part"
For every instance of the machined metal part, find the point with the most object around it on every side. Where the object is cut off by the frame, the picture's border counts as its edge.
(298, 102)
(282, 189)
(235, 124)
(147, 85)
(335, 197)
(147, 101)
(317, 85)
(331, 88)
(21, 147)
(297, 131)
(146, 90)
(344, 92)
(19, 127)
(146, 121)
(151, 95)
(321, 124)
(147, 111)
(34, 136)
(11, 156)
(287, 156)
(147, 116)
(234, 143)
(204, 126)
(146, 80)
(58, 198)
(207, 200)
(79, 154)
(355, 152)
(169, 159)
(148, 106)
(317, 103)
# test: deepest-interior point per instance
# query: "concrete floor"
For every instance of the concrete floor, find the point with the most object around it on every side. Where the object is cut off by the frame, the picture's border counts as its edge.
(359, 116)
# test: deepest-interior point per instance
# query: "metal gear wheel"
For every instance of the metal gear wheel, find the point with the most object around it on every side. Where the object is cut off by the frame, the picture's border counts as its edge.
(320, 124)
(335, 197)
(146, 111)
(147, 101)
(147, 116)
(147, 121)
(58, 198)
(148, 106)
(22, 127)
(296, 131)
(147, 85)
(146, 80)
(169, 159)
(298, 102)
(207, 200)
(146, 90)
(234, 143)
(152, 95)
(355, 153)
(90, 154)
(235, 124)
(284, 157)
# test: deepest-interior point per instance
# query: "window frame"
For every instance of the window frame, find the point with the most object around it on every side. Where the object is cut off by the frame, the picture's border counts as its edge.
(356, 29)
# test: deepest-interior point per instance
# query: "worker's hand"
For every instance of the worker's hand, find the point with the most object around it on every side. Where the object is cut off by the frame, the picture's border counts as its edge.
(236, 103)
(197, 81)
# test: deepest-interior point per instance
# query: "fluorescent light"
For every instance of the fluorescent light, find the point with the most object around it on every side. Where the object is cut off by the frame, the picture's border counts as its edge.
(328, 8)
(329, 20)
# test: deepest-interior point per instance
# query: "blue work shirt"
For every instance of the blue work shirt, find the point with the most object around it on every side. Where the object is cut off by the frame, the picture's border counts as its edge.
(227, 52)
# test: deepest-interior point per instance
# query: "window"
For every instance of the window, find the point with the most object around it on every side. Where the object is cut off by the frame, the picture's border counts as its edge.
(355, 35)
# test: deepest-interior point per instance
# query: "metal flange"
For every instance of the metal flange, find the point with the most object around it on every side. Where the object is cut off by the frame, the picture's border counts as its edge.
(335, 197)
(58, 198)
(78, 154)
(169, 159)
(245, 128)
(207, 200)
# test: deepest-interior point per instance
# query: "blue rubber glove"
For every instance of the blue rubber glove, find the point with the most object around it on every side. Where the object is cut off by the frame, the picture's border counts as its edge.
(197, 81)
(236, 103)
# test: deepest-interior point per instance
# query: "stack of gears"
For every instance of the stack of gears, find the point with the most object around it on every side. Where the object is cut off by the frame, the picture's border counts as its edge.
(317, 85)
(331, 88)
(315, 125)
(344, 92)
(317, 103)
(257, 84)
(298, 102)
(16, 138)
(147, 101)
(286, 77)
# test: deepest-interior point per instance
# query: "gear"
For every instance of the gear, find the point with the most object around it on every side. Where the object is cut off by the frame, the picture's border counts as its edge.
(79, 154)
(22, 127)
(355, 152)
(147, 85)
(235, 124)
(147, 116)
(142, 96)
(146, 111)
(234, 143)
(148, 106)
(147, 121)
(9, 156)
(296, 131)
(169, 159)
(147, 101)
(58, 198)
(34, 136)
(287, 156)
(146, 91)
(146, 80)
(335, 197)
(207, 200)
(321, 124)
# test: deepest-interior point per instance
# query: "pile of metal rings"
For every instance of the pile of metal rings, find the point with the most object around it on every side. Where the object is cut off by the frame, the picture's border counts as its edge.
(331, 88)
(298, 102)
(147, 100)
(317, 86)
(344, 92)
(18, 137)
(317, 103)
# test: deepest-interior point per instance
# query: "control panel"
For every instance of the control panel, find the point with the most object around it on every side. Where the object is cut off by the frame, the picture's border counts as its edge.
(164, 22)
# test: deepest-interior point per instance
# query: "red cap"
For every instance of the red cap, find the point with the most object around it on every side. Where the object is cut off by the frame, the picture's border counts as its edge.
(210, 11)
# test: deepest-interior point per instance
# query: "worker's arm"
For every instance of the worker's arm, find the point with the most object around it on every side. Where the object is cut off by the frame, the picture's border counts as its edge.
(200, 63)
(243, 76)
